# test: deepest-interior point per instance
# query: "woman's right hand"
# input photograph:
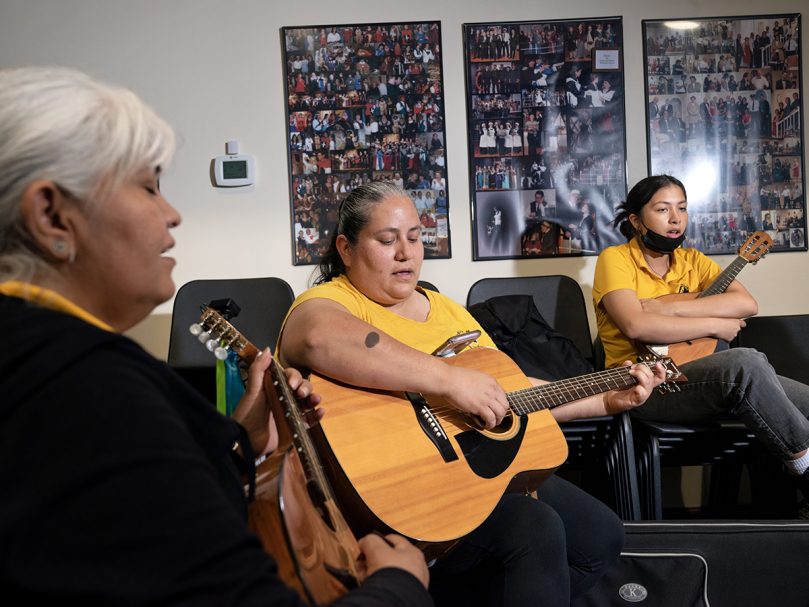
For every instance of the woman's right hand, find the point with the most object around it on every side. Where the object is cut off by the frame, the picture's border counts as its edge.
(728, 328)
(379, 552)
(476, 393)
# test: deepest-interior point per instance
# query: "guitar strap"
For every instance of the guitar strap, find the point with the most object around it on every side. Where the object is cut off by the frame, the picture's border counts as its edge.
(229, 384)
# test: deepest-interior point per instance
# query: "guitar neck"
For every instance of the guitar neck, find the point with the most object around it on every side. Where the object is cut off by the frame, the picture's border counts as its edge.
(564, 391)
(722, 282)
(295, 431)
(290, 422)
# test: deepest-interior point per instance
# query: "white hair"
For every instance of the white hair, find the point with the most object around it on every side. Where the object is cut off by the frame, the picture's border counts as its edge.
(87, 137)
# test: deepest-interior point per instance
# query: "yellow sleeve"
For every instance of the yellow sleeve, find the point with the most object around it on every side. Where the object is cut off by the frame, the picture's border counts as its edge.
(333, 291)
(614, 270)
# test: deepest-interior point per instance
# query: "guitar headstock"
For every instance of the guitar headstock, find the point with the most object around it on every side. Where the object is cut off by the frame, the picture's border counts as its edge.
(673, 374)
(219, 336)
(755, 247)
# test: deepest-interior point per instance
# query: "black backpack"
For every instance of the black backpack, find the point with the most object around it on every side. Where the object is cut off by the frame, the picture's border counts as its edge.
(519, 330)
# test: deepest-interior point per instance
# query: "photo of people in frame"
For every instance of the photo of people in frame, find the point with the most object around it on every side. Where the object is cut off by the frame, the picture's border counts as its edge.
(546, 137)
(365, 103)
(724, 115)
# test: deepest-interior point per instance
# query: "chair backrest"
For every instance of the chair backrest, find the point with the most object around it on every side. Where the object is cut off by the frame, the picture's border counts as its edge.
(783, 340)
(263, 302)
(558, 298)
(428, 285)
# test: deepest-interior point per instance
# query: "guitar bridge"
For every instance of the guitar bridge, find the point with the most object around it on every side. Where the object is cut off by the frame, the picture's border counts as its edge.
(431, 426)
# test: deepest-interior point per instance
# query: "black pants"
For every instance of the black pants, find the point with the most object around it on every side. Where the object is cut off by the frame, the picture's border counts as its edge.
(532, 552)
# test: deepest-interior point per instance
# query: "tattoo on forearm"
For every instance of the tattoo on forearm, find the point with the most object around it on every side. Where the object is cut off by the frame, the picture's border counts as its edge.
(371, 339)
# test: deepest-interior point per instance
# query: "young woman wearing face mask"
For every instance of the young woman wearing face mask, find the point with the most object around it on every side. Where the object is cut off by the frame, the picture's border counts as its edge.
(737, 381)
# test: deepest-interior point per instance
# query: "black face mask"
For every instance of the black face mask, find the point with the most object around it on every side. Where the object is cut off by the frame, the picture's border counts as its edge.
(658, 243)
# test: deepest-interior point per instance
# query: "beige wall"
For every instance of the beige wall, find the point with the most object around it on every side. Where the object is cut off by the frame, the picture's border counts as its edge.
(213, 69)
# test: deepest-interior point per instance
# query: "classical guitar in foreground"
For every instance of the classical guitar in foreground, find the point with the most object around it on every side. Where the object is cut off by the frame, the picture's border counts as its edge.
(754, 248)
(294, 512)
(414, 465)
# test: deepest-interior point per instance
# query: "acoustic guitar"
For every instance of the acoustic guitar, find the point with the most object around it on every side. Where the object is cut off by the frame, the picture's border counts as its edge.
(294, 512)
(754, 248)
(411, 464)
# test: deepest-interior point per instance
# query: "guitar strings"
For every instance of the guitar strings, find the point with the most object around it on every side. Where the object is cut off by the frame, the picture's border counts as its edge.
(535, 398)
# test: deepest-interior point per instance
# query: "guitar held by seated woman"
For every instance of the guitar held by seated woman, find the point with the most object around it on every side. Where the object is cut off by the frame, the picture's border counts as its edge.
(755, 247)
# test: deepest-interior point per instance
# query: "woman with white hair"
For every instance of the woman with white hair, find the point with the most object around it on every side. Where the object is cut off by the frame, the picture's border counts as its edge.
(120, 483)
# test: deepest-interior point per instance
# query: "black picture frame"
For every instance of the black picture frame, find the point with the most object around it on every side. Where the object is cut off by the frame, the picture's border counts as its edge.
(364, 102)
(550, 186)
(717, 119)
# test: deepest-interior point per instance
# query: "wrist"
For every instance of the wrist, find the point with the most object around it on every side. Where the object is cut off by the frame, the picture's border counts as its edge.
(607, 402)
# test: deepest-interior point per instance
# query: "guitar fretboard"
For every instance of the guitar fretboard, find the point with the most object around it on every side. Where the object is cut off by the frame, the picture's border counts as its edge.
(564, 391)
(727, 276)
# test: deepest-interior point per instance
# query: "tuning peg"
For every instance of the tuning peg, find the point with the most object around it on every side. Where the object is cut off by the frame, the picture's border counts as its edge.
(195, 329)
(211, 344)
(221, 353)
(204, 336)
(668, 387)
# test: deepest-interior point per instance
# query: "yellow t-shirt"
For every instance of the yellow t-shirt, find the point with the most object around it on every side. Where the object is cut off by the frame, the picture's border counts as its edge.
(624, 267)
(446, 318)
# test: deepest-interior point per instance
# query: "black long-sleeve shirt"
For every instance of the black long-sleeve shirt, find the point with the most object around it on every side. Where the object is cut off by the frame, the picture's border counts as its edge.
(116, 481)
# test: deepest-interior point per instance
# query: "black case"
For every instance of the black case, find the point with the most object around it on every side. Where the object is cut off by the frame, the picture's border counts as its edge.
(708, 564)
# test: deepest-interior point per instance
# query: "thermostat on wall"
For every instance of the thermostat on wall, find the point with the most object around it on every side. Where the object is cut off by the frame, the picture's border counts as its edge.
(234, 169)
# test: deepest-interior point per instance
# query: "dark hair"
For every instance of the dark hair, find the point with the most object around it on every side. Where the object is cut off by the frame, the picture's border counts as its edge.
(352, 216)
(638, 196)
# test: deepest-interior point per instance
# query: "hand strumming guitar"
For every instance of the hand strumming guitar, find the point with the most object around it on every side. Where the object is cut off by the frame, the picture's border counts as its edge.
(476, 393)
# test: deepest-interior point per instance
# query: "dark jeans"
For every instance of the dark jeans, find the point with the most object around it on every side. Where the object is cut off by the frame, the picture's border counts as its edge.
(738, 382)
(532, 552)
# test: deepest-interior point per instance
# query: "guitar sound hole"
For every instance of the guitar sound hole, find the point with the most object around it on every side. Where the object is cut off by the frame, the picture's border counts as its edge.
(319, 502)
(505, 426)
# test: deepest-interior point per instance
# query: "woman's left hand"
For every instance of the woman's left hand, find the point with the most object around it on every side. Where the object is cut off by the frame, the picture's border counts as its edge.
(648, 379)
(253, 411)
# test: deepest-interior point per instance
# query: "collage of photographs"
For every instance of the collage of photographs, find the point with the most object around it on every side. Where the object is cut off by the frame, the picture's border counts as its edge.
(724, 111)
(546, 136)
(365, 103)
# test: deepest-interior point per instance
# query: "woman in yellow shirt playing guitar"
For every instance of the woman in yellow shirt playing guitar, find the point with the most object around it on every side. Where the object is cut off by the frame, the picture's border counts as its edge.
(367, 324)
(629, 280)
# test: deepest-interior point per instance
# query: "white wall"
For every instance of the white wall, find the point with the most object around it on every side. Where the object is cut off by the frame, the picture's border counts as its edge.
(213, 69)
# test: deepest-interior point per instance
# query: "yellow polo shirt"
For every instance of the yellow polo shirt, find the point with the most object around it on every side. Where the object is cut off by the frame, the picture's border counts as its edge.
(624, 267)
(446, 318)
(48, 298)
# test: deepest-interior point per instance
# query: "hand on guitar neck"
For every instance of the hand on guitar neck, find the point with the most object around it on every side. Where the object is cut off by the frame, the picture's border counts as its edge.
(253, 411)
(294, 512)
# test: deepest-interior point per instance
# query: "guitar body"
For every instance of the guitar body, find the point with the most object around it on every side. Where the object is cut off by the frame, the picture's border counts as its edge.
(316, 554)
(684, 351)
(433, 492)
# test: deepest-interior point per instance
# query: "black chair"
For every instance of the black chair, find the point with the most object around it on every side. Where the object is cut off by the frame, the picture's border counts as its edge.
(783, 339)
(601, 450)
(263, 304)
(428, 285)
(720, 447)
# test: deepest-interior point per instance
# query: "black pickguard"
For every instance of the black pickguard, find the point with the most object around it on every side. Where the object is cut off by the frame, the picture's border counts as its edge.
(487, 457)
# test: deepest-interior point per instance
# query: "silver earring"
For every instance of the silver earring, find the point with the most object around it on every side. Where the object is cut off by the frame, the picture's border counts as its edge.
(59, 246)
